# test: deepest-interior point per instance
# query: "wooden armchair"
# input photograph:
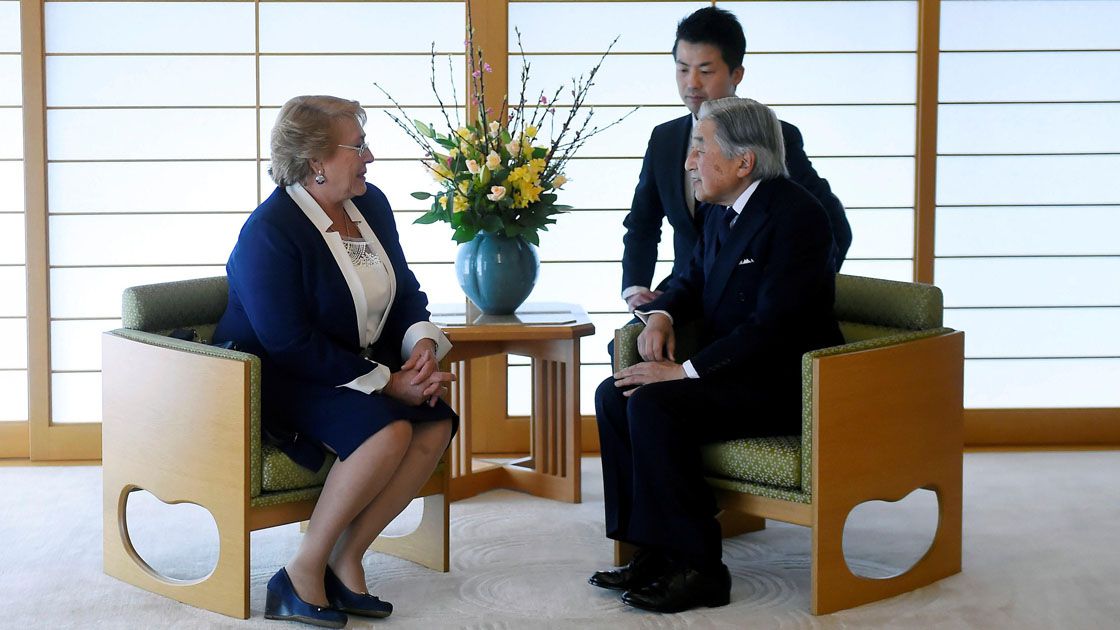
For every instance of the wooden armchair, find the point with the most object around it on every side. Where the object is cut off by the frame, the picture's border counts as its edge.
(881, 417)
(182, 420)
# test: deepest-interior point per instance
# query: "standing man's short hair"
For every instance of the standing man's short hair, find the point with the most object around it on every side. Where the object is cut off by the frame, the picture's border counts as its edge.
(718, 27)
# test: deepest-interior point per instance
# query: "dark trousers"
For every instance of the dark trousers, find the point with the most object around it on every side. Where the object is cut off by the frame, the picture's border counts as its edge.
(653, 480)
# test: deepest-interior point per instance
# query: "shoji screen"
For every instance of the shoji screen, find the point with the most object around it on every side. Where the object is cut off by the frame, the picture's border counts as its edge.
(13, 285)
(843, 72)
(157, 130)
(1028, 208)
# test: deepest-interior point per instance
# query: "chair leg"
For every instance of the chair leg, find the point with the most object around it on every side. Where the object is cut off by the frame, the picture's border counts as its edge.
(430, 543)
(733, 523)
(225, 590)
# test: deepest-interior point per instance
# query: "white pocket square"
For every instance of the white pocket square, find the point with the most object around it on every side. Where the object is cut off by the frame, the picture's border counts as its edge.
(746, 261)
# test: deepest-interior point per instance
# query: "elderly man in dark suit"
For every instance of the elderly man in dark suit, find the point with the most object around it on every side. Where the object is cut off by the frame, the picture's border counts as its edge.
(709, 51)
(761, 285)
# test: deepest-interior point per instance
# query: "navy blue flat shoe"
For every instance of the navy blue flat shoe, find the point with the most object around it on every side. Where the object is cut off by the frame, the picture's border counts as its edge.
(283, 602)
(346, 600)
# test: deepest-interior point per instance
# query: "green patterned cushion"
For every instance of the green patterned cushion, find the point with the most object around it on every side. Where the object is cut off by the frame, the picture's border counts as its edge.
(773, 461)
(908, 305)
(169, 305)
(281, 473)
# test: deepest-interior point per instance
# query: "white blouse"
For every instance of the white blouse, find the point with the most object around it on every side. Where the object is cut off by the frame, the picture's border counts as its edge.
(368, 273)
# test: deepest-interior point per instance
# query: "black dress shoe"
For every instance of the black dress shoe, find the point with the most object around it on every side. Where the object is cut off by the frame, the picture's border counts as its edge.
(681, 589)
(646, 567)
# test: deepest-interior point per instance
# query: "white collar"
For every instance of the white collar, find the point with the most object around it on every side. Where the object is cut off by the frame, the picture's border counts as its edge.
(741, 202)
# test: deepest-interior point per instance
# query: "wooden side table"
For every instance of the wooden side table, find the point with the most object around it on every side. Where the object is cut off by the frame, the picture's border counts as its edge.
(549, 334)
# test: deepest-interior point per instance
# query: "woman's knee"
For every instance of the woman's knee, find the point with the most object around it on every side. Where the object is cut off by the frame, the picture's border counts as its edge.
(397, 435)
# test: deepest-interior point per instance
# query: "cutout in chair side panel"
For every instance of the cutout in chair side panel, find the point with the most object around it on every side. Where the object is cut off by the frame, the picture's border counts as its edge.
(179, 542)
(884, 539)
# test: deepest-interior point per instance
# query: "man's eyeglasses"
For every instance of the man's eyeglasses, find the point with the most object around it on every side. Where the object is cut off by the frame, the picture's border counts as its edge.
(360, 149)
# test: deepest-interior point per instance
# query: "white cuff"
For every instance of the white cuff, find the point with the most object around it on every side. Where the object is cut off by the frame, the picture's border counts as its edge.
(372, 381)
(644, 315)
(425, 330)
(634, 290)
(689, 371)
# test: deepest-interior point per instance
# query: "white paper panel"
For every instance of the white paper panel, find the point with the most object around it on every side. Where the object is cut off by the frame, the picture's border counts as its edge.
(593, 348)
(1028, 180)
(9, 26)
(438, 282)
(96, 292)
(628, 138)
(13, 396)
(198, 187)
(870, 182)
(648, 27)
(901, 270)
(206, 134)
(406, 78)
(11, 239)
(11, 134)
(1038, 332)
(1029, 128)
(13, 292)
(1046, 383)
(772, 79)
(385, 138)
(827, 26)
(1037, 25)
(1017, 230)
(1016, 77)
(1029, 281)
(13, 344)
(189, 239)
(11, 186)
(151, 80)
(600, 184)
(361, 27)
(520, 388)
(871, 130)
(76, 397)
(881, 233)
(11, 82)
(139, 27)
(76, 344)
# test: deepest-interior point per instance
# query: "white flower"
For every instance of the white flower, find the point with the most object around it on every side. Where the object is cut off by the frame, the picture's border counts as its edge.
(493, 161)
(472, 166)
(494, 128)
(496, 193)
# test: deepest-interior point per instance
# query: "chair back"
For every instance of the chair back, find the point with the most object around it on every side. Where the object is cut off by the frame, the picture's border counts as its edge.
(160, 308)
(871, 307)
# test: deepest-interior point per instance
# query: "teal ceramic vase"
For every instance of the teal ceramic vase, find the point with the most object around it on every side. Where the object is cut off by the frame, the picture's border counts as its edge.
(497, 272)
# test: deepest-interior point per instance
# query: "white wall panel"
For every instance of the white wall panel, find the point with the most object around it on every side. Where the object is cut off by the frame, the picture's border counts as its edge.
(75, 397)
(406, 78)
(150, 80)
(96, 292)
(11, 83)
(1029, 76)
(901, 270)
(1019, 230)
(13, 292)
(1027, 180)
(1036, 25)
(881, 233)
(1029, 281)
(11, 131)
(601, 184)
(439, 283)
(11, 239)
(871, 130)
(827, 26)
(76, 344)
(1038, 332)
(198, 186)
(13, 395)
(870, 182)
(13, 344)
(386, 140)
(1029, 128)
(176, 134)
(642, 27)
(9, 26)
(11, 186)
(361, 27)
(144, 239)
(1049, 383)
(143, 27)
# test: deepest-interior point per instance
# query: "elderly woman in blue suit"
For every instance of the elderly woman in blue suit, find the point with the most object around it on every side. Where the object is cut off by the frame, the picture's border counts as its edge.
(319, 289)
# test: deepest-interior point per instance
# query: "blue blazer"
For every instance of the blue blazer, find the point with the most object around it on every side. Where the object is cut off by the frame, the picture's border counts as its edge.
(290, 304)
(763, 298)
(660, 195)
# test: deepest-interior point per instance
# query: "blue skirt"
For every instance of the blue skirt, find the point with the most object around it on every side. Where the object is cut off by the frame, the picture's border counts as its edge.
(306, 417)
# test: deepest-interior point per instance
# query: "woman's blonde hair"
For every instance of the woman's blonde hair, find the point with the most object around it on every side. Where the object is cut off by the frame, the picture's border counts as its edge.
(303, 131)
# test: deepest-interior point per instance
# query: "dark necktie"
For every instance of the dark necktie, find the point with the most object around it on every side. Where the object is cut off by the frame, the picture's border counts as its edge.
(724, 232)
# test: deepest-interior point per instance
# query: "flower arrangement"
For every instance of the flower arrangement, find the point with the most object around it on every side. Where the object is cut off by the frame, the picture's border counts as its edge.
(497, 172)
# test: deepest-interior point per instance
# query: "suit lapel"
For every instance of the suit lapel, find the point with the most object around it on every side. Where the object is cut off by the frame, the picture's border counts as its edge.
(754, 216)
(674, 166)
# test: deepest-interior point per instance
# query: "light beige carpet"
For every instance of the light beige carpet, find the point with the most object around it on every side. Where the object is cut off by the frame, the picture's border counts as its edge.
(1042, 550)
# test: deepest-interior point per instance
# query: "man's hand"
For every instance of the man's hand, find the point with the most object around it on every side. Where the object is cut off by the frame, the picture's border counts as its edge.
(645, 296)
(422, 359)
(648, 372)
(658, 341)
(407, 387)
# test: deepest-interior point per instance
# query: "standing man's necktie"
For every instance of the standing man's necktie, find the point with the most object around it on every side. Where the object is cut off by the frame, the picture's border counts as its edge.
(724, 232)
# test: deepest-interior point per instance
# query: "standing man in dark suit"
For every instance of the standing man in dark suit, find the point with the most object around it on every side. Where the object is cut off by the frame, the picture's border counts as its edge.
(761, 283)
(709, 53)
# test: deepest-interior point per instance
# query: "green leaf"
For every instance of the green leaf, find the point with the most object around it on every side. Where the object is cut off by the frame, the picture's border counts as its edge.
(424, 129)
(430, 216)
(422, 195)
(464, 235)
(512, 230)
(491, 223)
(531, 236)
(549, 198)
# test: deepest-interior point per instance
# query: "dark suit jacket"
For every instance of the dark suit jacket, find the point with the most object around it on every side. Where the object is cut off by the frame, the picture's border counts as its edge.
(764, 298)
(660, 194)
(290, 305)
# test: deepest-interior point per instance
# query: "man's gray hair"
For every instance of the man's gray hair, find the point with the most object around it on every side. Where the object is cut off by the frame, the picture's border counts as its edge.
(743, 125)
(304, 130)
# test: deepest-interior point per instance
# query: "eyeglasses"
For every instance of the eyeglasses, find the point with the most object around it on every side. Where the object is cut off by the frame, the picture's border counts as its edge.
(360, 149)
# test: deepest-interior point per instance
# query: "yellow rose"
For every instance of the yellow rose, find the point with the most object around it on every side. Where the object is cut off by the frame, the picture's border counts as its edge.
(463, 133)
(559, 181)
(493, 161)
(460, 204)
(531, 131)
